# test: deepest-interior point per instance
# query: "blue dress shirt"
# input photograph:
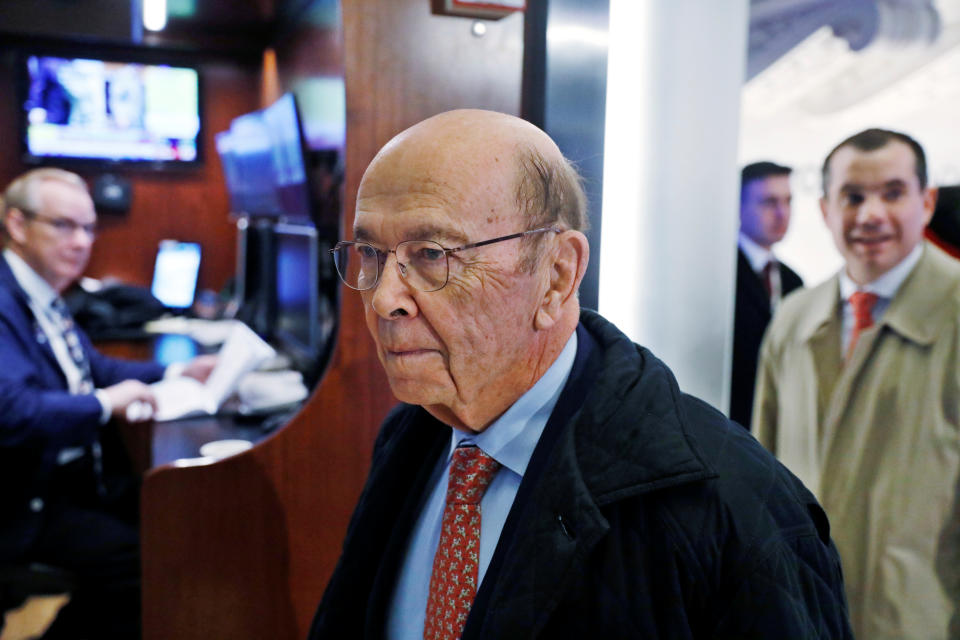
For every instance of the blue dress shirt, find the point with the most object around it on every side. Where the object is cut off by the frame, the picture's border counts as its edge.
(510, 440)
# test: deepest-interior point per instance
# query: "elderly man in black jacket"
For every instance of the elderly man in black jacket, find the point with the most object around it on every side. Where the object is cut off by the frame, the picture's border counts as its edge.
(544, 476)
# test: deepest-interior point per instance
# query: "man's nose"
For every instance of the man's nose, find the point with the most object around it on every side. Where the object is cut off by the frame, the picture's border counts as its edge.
(871, 210)
(81, 236)
(392, 297)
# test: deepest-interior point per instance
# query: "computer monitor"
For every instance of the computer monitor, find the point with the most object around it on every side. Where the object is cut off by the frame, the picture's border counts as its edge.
(264, 165)
(175, 274)
(297, 325)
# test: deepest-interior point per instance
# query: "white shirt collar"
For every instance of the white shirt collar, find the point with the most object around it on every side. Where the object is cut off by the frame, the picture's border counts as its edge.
(512, 437)
(886, 285)
(757, 256)
(37, 289)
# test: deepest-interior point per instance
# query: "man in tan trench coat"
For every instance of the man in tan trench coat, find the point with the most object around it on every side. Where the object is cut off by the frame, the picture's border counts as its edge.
(857, 392)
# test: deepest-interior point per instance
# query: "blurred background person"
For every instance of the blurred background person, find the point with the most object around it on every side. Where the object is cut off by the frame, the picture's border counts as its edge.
(62, 505)
(859, 392)
(762, 280)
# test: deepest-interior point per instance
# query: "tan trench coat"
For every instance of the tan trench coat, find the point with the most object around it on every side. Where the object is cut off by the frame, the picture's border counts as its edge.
(877, 441)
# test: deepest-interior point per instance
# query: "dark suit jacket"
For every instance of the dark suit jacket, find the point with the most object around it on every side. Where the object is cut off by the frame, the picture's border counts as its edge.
(38, 415)
(750, 320)
(643, 513)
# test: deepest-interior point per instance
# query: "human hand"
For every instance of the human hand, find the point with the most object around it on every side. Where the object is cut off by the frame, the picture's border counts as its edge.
(131, 400)
(200, 367)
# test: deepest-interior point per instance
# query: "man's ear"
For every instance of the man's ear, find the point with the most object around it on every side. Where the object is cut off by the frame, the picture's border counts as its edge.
(16, 225)
(930, 195)
(568, 263)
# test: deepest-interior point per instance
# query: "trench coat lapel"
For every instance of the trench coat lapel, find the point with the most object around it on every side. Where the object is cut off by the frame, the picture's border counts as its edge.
(819, 330)
(915, 314)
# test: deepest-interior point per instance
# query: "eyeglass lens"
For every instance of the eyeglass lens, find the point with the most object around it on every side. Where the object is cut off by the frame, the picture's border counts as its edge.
(65, 226)
(422, 263)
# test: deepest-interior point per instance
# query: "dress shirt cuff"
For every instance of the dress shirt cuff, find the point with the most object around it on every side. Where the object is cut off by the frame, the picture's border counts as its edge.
(106, 407)
(174, 370)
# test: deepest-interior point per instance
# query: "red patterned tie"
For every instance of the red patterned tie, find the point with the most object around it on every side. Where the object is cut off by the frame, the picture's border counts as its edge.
(862, 303)
(453, 583)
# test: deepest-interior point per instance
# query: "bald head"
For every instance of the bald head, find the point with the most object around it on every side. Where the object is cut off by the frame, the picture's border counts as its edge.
(481, 155)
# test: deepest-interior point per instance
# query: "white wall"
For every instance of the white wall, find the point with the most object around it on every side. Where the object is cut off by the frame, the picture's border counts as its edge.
(670, 186)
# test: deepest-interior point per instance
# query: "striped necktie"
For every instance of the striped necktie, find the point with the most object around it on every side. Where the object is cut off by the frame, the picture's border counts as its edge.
(64, 321)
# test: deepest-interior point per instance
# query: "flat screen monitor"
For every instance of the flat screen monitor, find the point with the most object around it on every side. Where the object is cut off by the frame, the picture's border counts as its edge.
(297, 323)
(175, 274)
(263, 163)
(97, 110)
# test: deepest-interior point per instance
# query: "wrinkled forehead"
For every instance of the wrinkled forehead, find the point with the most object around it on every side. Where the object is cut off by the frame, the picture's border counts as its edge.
(454, 185)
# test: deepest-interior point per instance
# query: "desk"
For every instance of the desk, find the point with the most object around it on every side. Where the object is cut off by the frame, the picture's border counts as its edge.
(152, 444)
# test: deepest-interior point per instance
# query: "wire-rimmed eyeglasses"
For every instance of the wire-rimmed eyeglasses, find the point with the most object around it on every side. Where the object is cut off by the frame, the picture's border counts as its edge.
(63, 226)
(424, 264)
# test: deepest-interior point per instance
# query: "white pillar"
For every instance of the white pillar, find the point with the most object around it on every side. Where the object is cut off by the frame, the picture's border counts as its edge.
(671, 182)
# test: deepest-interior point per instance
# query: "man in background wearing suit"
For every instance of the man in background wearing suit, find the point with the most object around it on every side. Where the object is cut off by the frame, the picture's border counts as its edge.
(762, 280)
(545, 477)
(60, 503)
(859, 392)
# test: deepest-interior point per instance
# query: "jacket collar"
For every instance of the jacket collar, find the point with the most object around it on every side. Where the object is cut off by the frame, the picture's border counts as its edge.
(625, 435)
(916, 312)
(637, 439)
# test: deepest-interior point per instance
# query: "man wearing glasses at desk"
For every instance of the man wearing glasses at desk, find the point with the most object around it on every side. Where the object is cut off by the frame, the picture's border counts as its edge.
(545, 477)
(57, 506)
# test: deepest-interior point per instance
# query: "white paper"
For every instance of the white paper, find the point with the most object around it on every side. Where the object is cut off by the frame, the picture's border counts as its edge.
(180, 397)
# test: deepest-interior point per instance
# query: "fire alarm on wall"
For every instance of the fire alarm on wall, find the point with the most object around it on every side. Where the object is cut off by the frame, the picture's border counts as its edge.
(112, 194)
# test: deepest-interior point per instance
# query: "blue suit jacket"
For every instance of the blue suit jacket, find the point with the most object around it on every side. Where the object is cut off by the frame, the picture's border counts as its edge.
(38, 415)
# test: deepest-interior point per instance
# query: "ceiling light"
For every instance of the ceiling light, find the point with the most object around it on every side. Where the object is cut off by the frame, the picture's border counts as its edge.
(154, 14)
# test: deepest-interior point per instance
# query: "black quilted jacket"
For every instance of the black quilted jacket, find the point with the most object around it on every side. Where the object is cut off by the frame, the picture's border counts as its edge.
(644, 513)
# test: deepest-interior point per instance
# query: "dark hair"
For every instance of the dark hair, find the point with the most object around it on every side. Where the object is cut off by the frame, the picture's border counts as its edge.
(759, 171)
(548, 193)
(873, 139)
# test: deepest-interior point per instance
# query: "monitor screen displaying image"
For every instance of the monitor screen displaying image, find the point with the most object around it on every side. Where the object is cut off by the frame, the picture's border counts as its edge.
(297, 289)
(175, 273)
(263, 161)
(103, 110)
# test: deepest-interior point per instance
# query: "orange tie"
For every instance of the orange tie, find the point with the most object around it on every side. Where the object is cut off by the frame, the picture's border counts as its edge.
(453, 583)
(862, 303)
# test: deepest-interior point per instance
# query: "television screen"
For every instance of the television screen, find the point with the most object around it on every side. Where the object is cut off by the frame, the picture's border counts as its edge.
(104, 110)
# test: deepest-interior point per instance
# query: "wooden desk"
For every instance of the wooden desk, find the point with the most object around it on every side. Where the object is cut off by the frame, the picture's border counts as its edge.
(154, 444)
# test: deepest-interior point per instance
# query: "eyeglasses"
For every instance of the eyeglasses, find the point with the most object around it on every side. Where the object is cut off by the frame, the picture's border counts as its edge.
(424, 264)
(63, 226)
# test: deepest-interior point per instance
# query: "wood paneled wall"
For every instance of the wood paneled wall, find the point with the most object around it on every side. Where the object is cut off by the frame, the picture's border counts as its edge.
(243, 548)
(186, 205)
